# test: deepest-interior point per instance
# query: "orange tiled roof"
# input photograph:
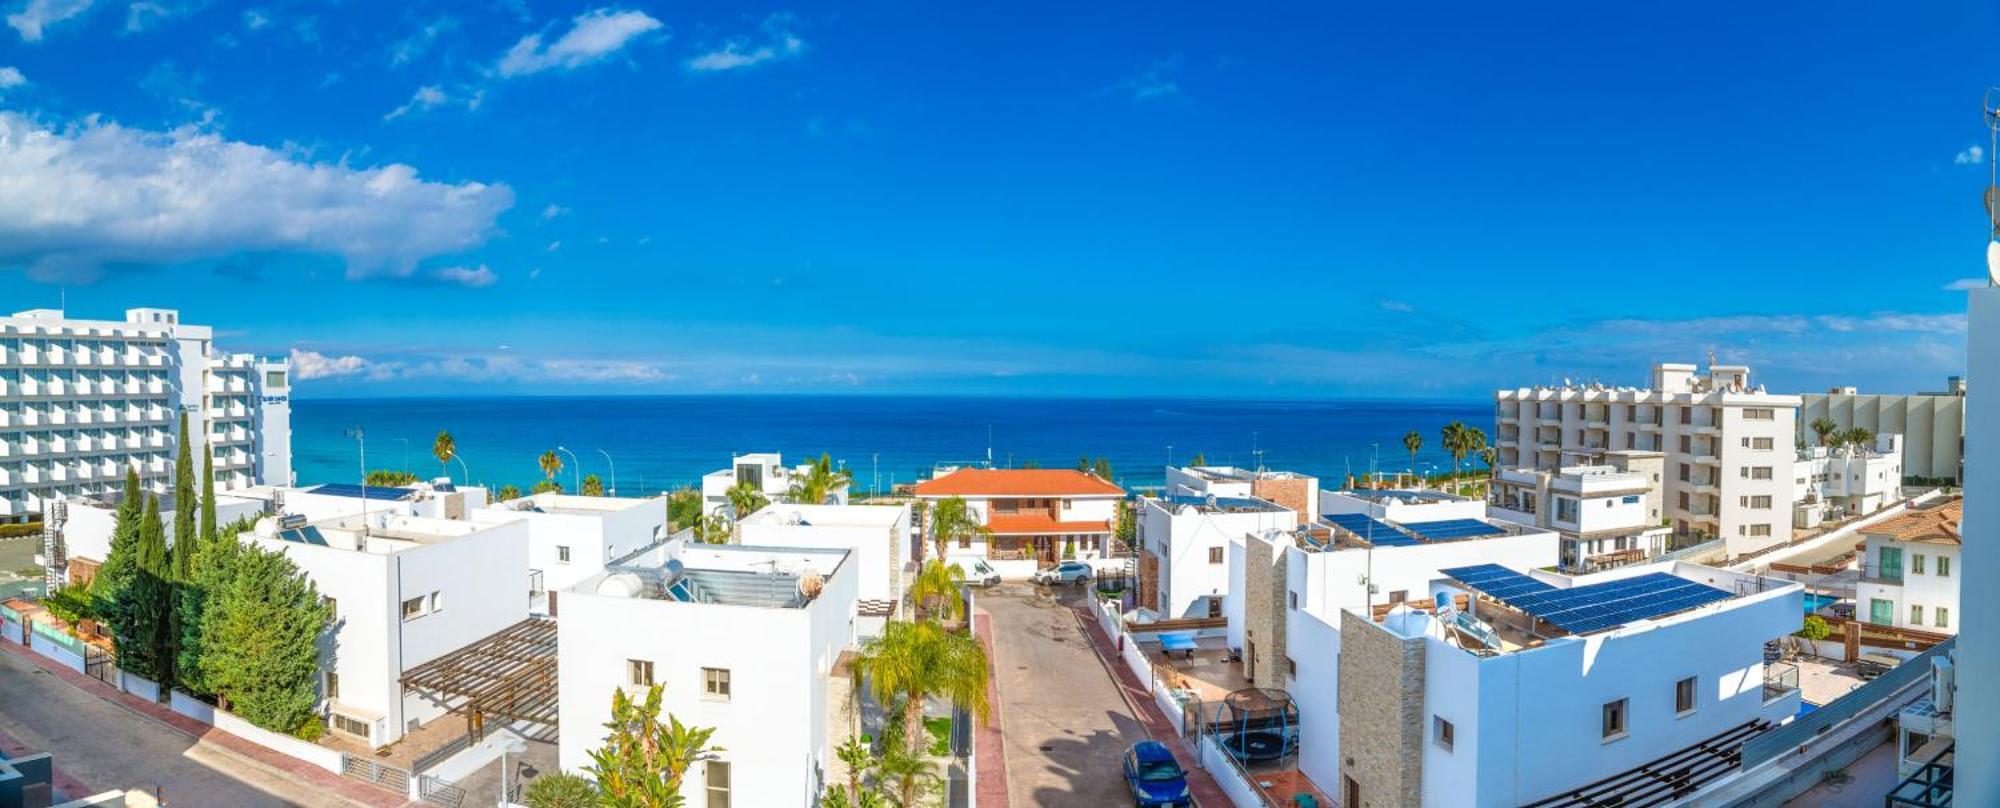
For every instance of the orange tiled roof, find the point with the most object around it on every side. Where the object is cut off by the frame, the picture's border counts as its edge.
(1934, 525)
(1035, 524)
(1017, 482)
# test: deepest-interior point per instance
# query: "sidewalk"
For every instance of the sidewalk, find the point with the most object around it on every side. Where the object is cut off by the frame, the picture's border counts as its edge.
(1206, 791)
(352, 790)
(66, 787)
(990, 754)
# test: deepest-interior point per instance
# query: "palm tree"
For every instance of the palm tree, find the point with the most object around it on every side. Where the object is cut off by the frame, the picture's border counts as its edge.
(593, 486)
(935, 592)
(1413, 440)
(908, 771)
(444, 449)
(913, 661)
(1491, 457)
(1824, 427)
(1455, 443)
(1860, 438)
(510, 491)
(551, 464)
(714, 528)
(952, 519)
(746, 499)
(819, 482)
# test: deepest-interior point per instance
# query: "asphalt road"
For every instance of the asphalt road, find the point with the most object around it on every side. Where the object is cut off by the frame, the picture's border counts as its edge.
(1067, 728)
(106, 746)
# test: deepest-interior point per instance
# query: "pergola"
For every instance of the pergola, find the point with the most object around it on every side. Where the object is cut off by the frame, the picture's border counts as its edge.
(510, 675)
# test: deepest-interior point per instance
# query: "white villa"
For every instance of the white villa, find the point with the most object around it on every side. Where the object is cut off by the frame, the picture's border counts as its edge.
(744, 639)
(1910, 570)
(1038, 517)
(1607, 515)
(571, 538)
(878, 536)
(1185, 541)
(404, 590)
(764, 470)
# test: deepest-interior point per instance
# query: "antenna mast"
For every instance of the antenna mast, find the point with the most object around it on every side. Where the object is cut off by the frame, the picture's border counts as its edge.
(1991, 107)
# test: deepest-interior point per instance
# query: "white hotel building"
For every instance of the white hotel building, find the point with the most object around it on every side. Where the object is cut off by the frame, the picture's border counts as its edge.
(1728, 447)
(83, 400)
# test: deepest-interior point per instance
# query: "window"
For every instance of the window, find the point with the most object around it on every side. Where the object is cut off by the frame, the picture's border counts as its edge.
(1399, 596)
(562, 554)
(274, 380)
(1687, 445)
(1944, 566)
(1214, 606)
(1684, 696)
(352, 726)
(1916, 615)
(1755, 530)
(1614, 720)
(1758, 413)
(1566, 509)
(332, 609)
(1760, 472)
(639, 672)
(437, 601)
(1760, 502)
(1685, 476)
(332, 687)
(1943, 617)
(1441, 731)
(715, 683)
(1917, 564)
(716, 780)
(1214, 555)
(413, 608)
(1687, 415)
(1292, 600)
(1291, 668)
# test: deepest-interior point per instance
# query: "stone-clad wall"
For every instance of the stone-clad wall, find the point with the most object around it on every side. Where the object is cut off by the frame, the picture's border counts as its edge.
(1288, 493)
(1381, 713)
(1264, 610)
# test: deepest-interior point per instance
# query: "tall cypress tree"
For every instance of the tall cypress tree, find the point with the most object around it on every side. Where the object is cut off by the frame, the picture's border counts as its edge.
(200, 588)
(121, 562)
(263, 643)
(143, 611)
(184, 504)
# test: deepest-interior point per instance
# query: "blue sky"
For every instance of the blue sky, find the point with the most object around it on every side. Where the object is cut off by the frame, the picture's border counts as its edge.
(1118, 199)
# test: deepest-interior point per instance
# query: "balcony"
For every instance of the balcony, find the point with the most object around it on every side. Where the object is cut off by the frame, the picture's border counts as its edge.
(1872, 571)
(1780, 679)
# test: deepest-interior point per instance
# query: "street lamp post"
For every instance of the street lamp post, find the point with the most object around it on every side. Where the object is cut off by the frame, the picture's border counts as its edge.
(614, 471)
(361, 447)
(577, 472)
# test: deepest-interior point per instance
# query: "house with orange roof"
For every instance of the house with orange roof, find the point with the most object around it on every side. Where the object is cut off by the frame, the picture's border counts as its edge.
(1037, 517)
(1910, 571)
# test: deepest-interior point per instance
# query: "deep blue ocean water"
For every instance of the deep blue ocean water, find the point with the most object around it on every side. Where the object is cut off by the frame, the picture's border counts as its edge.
(667, 441)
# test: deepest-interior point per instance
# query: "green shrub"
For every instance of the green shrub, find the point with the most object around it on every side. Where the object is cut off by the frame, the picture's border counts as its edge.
(310, 730)
(15, 530)
(561, 790)
(1815, 628)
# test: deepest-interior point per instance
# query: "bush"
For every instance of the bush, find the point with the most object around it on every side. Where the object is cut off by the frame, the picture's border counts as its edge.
(310, 730)
(1815, 628)
(560, 790)
(18, 529)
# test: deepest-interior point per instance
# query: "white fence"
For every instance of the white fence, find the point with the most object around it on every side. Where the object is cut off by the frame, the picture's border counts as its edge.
(48, 648)
(1223, 767)
(139, 686)
(227, 722)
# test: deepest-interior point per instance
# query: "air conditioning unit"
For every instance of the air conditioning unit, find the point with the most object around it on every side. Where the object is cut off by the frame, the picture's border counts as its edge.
(1944, 681)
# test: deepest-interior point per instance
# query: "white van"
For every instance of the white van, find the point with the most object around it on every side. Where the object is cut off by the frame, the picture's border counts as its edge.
(977, 571)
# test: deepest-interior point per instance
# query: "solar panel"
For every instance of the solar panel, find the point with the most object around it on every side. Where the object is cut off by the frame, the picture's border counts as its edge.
(1449, 529)
(1592, 607)
(374, 492)
(1367, 527)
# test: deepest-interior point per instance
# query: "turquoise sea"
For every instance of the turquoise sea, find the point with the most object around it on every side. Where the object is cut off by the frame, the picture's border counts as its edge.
(668, 441)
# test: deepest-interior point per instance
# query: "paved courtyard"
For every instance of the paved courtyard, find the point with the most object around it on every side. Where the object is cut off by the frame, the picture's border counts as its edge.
(106, 746)
(1067, 726)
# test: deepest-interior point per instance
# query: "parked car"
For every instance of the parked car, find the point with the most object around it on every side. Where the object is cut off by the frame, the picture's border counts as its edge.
(1155, 778)
(1068, 572)
(977, 571)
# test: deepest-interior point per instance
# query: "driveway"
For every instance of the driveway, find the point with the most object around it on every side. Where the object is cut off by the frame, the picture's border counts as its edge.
(1066, 724)
(105, 746)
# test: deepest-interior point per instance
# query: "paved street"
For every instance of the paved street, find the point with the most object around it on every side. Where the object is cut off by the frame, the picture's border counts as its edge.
(106, 746)
(1066, 724)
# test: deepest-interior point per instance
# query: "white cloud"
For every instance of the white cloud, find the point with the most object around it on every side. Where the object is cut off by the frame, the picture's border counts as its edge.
(256, 19)
(36, 16)
(553, 246)
(1396, 306)
(1963, 284)
(416, 44)
(1155, 83)
(10, 77)
(775, 41)
(553, 210)
(477, 277)
(76, 198)
(1970, 156)
(308, 365)
(593, 36)
(141, 15)
(426, 97)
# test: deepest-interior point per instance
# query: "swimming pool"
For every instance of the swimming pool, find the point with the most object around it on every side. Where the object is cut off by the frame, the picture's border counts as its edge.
(1816, 602)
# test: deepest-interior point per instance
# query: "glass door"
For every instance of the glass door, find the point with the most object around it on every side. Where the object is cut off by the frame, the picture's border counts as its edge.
(1881, 612)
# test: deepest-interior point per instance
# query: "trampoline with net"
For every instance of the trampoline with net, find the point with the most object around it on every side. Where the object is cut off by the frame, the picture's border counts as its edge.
(1256, 724)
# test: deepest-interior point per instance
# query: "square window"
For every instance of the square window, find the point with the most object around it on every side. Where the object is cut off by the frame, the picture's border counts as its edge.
(351, 726)
(1684, 696)
(562, 554)
(1614, 720)
(1441, 733)
(715, 684)
(639, 672)
(437, 601)
(413, 608)
(1214, 555)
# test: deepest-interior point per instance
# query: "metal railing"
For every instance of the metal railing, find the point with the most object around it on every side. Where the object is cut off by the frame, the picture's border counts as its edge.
(1802, 730)
(1928, 786)
(373, 773)
(439, 791)
(1780, 678)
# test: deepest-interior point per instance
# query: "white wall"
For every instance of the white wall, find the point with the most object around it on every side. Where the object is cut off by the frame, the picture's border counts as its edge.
(1181, 536)
(595, 535)
(1327, 582)
(1927, 589)
(874, 532)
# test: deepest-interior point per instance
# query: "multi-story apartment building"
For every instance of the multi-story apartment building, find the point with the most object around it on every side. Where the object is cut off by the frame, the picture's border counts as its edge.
(1728, 447)
(81, 401)
(1910, 570)
(1932, 424)
(1851, 480)
(1036, 517)
(1608, 516)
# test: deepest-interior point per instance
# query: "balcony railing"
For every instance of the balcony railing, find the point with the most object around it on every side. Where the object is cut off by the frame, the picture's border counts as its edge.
(1780, 678)
(1873, 572)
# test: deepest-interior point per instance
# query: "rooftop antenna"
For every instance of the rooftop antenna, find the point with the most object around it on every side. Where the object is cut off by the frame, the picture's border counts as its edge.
(1991, 107)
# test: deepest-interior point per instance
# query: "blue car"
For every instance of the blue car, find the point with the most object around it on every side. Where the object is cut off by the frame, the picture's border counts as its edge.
(1154, 777)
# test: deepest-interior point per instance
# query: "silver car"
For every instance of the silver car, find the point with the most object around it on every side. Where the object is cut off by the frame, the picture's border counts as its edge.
(1068, 572)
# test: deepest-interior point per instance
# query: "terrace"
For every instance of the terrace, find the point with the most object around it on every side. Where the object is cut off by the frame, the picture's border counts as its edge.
(728, 575)
(1514, 611)
(1356, 531)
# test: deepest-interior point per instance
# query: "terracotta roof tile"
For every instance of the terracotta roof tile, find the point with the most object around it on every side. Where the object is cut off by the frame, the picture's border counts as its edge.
(1036, 524)
(1017, 482)
(1938, 524)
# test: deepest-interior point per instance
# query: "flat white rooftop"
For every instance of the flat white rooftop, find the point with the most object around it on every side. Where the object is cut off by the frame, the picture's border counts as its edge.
(380, 533)
(573, 504)
(827, 515)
